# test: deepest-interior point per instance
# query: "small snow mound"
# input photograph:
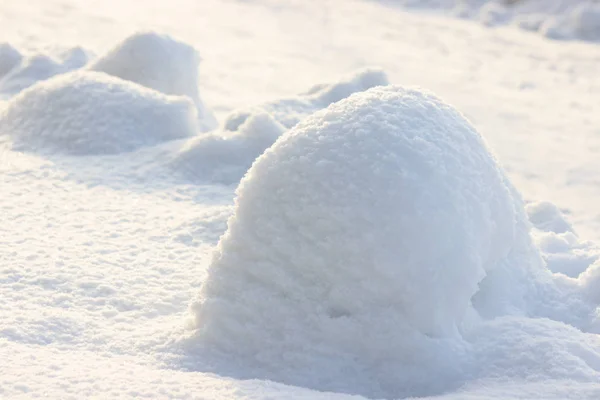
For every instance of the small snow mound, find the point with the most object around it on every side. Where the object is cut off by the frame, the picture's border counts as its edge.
(290, 111)
(585, 21)
(161, 63)
(547, 217)
(358, 241)
(9, 58)
(225, 157)
(325, 94)
(93, 113)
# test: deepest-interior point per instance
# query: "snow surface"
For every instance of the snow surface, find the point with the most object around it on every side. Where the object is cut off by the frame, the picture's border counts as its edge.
(92, 113)
(100, 255)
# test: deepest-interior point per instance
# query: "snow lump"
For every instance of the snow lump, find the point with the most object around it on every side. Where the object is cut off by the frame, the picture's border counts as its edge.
(357, 243)
(161, 63)
(93, 113)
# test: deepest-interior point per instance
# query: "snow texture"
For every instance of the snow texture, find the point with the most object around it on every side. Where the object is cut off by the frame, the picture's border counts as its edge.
(224, 157)
(290, 111)
(92, 113)
(357, 243)
(161, 63)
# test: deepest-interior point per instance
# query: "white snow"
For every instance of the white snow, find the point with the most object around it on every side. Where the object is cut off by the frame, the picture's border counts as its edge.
(158, 62)
(101, 254)
(224, 157)
(92, 113)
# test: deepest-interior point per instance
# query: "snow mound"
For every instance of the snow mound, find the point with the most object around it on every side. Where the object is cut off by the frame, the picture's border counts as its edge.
(224, 157)
(39, 67)
(161, 63)
(290, 111)
(358, 241)
(9, 58)
(93, 113)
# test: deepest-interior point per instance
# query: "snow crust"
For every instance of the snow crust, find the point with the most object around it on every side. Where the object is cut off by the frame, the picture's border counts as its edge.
(92, 113)
(158, 62)
(357, 243)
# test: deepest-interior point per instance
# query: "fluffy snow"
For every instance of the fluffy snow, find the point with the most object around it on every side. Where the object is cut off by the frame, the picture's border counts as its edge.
(158, 62)
(224, 157)
(92, 113)
(371, 223)
(101, 254)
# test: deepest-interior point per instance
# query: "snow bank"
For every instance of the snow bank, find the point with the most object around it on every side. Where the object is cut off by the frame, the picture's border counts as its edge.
(9, 58)
(224, 157)
(93, 113)
(358, 241)
(158, 62)
(290, 111)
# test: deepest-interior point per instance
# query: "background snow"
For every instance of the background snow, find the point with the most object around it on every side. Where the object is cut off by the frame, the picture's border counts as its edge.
(108, 250)
(92, 113)
(555, 19)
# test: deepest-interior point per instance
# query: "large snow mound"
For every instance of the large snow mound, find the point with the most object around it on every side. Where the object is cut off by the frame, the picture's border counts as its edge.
(158, 62)
(224, 157)
(289, 111)
(358, 241)
(93, 113)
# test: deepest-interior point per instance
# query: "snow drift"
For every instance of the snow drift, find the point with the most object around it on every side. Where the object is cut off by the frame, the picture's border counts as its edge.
(224, 157)
(358, 241)
(161, 63)
(290, 111)
(93, 113)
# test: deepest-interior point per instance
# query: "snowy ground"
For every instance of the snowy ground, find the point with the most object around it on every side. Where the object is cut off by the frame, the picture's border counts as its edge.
(100, 255)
